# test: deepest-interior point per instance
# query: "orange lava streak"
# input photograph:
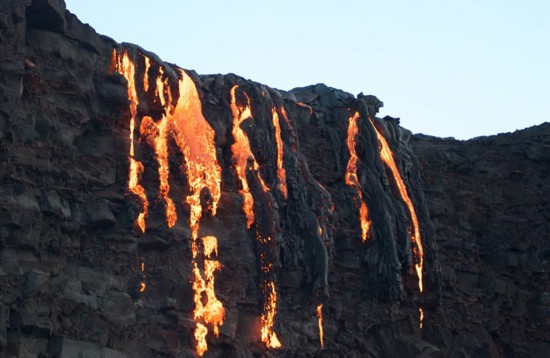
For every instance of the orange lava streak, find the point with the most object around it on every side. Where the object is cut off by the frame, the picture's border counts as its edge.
(306, 106)
(281, 172)
(195, 138)
(320, 323)
(200, 335)
(146, 73)
(143, 285)
(242, 154)
(211, 312)
(421, 316)
(269, 337)
(351, 175)
(387, 157)
(127, 68)
(157, 137)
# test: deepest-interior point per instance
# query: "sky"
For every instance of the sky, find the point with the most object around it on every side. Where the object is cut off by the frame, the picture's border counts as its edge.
(449, 68)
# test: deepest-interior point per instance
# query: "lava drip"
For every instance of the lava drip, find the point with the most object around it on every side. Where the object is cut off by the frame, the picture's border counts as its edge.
(185, 124)
(281, 171)
(320, 324)
(245, 163)
(242, 154)
(156, 135)
(127, 68)
(269, 337)
(143, 284)
(195, 138)
(388, 158)
(421, 319)
(351, 175)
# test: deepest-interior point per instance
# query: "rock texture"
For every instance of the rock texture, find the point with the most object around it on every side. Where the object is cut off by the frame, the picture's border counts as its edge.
(73, 264)
(489, 201)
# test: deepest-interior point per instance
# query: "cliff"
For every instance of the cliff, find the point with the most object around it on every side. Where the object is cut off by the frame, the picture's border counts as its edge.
(151, 211)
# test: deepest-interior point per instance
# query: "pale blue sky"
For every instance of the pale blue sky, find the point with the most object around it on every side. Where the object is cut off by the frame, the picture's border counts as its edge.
(461, 68)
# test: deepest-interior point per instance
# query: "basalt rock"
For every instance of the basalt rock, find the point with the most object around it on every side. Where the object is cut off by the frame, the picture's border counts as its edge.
(79, 277)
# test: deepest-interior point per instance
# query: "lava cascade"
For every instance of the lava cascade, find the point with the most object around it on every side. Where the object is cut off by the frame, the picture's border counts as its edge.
(185, 124)
(351, 175)
(320, 324)
(388, 158)
(244, 161)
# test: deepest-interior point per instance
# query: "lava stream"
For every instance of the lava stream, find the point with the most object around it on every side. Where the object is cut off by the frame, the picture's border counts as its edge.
(157, 137)
(127, 68)
(351, 175)
(387, 157)
(195, 138)
(242, 154)
(281, 172)
(421, 320)
(320, 323)
(269, 337)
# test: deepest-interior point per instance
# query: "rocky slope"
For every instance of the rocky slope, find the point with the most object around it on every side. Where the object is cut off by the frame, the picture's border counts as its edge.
(80, 277)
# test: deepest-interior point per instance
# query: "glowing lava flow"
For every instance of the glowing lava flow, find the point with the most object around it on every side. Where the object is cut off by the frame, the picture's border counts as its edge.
(146, 73)
(242, 154)
(157, 137)
(320, 323)
(195, 138)
(269, 337)
(387, 157)
(127, 68)
(421, 316)
(245, 160)
(351, 175)
(143, 285)
(281, 172)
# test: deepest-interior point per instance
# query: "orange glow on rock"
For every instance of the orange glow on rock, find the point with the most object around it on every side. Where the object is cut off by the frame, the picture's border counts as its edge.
(351, 175)
(146, 73)
(195, 138)
(186, 125)
(301, 104)
(200, 336)
(320, 323)
(243, 154)
(269, 337)
(127, 68)
(143, 285)
(212, 312)
(156, 136)
(387, 157)
(281, 172)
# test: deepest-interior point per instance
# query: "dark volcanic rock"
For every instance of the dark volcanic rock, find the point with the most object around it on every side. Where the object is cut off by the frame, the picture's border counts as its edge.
(77, 278)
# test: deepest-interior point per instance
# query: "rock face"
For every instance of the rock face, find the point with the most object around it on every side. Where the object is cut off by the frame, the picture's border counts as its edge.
(80, 275)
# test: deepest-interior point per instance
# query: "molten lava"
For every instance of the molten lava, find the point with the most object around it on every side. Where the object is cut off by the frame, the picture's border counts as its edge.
(143, 285)
(421, 316)
(127, 68)
(157, 137)
(351, 175)
(387, 157)
(242, 154)
(269, 337)
(146, 73)
(281, 172)
(194, 137)
(320, 323)
(212, 312)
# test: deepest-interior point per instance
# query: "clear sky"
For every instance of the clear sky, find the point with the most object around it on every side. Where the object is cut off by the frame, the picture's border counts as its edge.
(460, 68)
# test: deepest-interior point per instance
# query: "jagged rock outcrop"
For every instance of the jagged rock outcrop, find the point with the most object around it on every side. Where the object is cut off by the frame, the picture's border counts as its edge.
(79, 277)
